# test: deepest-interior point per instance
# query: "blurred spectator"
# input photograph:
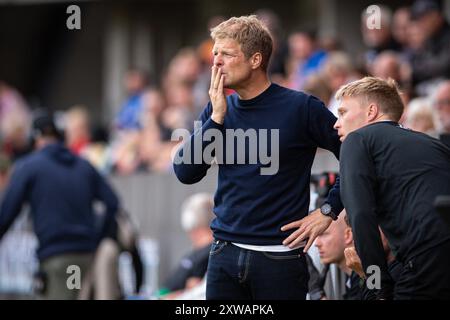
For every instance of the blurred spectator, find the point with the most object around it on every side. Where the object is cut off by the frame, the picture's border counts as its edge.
(419, 116)
(125, 152)
(280, 49)
(204, 52)
(121, 237)
(129, 116)
(337, 71)
(377, 39)
(98, 151)
(183, 69)
(330, 43)
(15, 122)
(318, 86)
(431, 59)
(77, 129)
(441, 108)
(85, 142)
(331, 245)
(305, 58)
(196, 216)
(416, 39)
(321, 184)
(388, 64)
(128, 124)
(178, 84)
(180, 109)
(155, 146)
(61, 189)
(400, 25)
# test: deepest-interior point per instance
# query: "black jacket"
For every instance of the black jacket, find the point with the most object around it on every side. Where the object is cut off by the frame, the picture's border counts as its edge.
(390, 177)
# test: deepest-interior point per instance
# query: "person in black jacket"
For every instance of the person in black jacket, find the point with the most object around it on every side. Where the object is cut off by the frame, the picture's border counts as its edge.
(390, 176)
(60, 189)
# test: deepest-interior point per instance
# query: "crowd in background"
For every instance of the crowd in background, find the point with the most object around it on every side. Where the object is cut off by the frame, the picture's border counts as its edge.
(411, 45)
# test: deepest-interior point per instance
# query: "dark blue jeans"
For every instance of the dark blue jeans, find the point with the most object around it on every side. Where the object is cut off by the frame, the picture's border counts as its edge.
(236, 274)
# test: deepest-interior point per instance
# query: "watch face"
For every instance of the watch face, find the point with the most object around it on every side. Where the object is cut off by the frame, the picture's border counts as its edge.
(326, 208)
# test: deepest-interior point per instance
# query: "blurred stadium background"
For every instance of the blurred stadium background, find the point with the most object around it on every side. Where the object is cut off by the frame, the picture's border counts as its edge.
(52, 67)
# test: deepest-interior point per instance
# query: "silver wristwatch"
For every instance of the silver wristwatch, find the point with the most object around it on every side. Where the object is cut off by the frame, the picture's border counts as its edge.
(326, 210)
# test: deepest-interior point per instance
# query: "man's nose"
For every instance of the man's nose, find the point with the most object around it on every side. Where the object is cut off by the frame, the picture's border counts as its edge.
(336, 125)
(318, 243)
(218, 61)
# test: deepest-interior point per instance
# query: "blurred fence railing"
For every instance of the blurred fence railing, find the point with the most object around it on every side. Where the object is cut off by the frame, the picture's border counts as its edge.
(153, 202)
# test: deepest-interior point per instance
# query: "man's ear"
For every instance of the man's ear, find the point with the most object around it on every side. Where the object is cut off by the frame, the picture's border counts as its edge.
(373, 112)
(256, 60)
(348, 236)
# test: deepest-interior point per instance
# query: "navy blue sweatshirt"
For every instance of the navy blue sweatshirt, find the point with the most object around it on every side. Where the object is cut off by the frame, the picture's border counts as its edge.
(251, 207)
(60, 188)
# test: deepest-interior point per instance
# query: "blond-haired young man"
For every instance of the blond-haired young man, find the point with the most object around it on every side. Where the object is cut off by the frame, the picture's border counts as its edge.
(390, 176)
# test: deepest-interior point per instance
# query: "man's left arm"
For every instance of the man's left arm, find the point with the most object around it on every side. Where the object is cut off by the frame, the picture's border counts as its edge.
(320, 122)
(321, 129)
(359, 196)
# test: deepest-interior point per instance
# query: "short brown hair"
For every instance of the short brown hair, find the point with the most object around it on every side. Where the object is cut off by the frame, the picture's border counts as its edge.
(252, 35)
(347, 220)
(384, 92)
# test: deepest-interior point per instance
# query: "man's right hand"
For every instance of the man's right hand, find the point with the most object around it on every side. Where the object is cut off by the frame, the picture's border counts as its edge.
(353, 261)
(217, 95)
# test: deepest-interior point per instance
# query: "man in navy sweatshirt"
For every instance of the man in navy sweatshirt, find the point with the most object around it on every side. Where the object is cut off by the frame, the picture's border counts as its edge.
(60, 189)
(264, 138)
